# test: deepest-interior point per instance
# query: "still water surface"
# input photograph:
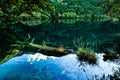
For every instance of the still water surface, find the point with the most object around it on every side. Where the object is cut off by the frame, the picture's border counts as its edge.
(35, 66)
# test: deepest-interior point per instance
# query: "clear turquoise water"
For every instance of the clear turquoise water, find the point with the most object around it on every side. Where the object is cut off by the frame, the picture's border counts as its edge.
(62, 68)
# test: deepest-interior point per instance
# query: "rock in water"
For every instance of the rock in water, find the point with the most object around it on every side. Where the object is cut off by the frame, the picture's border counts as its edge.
(33, 18)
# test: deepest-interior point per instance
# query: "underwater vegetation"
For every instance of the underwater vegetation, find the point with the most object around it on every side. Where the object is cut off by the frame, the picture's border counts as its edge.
(88, 56)
(117, 44)
(109, 55)
(111, 49)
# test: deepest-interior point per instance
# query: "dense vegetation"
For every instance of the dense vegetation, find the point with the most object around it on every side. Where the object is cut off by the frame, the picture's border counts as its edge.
(111, 8)
(88, 9)
(17, 7)
(85, 9)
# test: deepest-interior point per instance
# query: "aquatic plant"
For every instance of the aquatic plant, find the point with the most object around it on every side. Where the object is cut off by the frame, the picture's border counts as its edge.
(88, 45)
(111, 49)
(110, 55)
(85, 50)
(117, 43)
(88, 56)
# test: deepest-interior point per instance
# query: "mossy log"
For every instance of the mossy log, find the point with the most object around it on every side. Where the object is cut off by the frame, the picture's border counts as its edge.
(53, 51)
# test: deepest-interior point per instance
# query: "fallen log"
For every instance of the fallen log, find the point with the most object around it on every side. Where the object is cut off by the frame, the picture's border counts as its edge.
(60, 51)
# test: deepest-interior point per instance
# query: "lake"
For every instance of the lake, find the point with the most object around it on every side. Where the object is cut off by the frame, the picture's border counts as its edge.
(36, 66)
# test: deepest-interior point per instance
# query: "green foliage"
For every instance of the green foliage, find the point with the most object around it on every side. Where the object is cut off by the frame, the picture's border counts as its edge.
(78, 6)
(112, 8)
(17, 7)
(88, 56)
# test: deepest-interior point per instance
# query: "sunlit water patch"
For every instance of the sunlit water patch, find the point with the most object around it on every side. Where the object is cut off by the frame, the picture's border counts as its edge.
(38, 57)
(42, 67)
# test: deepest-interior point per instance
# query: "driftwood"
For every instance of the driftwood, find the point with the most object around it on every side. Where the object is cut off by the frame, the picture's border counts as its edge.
(53, 51)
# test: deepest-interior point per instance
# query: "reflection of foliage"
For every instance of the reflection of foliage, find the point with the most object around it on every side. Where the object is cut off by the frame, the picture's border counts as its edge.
(10, 40)
(7, 39)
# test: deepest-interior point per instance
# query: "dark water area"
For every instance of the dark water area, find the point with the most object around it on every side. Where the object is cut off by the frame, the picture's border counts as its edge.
(56, 33)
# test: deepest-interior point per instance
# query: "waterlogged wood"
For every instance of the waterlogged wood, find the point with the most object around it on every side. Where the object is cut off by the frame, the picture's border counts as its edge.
(60, 50)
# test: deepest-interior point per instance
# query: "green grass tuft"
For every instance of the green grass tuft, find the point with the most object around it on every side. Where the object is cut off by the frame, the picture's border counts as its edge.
(87, 56)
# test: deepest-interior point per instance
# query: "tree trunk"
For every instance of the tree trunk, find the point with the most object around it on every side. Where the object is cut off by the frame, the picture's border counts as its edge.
(50, 50)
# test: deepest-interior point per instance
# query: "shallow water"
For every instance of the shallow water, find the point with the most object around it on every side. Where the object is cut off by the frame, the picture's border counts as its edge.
(41, 67)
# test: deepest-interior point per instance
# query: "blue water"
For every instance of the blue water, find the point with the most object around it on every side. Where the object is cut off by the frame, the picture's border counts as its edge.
(52, 68)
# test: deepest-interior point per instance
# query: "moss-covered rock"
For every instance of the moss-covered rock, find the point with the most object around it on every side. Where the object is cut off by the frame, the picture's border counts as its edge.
(87, 56)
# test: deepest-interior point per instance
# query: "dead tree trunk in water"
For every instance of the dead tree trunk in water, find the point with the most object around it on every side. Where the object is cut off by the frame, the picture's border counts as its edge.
(60, 51)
